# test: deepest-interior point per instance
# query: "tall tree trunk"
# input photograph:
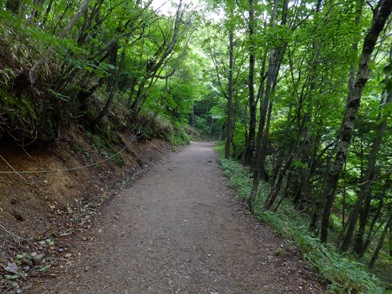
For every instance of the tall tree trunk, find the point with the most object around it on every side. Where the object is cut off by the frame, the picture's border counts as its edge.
(353, 103)
(112, 84)
(229, 131)
(371, 232)
(276, 57)
(250, 144)
(390, 239)
(381, 241)
(366, 182)
(271, 77)
(276, 187)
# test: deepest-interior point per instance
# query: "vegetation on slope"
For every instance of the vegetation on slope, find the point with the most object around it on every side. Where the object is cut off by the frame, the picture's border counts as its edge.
(304, 97)
(300, 92)
(343, 274)
(111, 66)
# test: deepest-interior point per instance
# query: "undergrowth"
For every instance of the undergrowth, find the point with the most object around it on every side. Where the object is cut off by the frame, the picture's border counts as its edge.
(343, 274)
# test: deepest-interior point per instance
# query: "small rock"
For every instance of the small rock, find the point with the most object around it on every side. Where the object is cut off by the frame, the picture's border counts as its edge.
(12, 268)
(26, 261)
(68, 255)
(37, 259)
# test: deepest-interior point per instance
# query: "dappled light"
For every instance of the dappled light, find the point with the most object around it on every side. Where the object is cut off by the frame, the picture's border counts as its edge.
(294, 97)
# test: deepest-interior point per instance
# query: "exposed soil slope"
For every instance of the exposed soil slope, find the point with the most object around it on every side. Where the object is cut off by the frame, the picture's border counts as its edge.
(31, 202)
(40, 210)
(180, 229)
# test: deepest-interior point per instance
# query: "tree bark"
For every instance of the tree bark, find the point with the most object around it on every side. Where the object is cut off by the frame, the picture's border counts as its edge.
(365, 187)
(271, 78)
(112, 84)
(229, 131)
(353, 103)
(371, 232)
(23, 80)
(381, 241)
(250, 144)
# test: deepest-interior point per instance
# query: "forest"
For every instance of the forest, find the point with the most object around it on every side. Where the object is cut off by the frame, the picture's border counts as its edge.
(297, 91)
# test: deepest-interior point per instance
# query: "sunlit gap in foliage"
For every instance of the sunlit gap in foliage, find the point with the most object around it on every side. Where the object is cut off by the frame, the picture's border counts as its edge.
(169, 7)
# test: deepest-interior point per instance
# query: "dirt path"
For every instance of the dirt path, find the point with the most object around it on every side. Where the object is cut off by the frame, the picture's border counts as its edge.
(179, 229)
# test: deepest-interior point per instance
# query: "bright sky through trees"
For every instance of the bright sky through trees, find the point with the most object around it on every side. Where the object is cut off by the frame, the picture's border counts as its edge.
(168, 7)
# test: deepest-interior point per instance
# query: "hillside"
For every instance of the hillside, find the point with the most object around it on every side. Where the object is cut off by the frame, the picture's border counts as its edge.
(57, 186)
(297, 93)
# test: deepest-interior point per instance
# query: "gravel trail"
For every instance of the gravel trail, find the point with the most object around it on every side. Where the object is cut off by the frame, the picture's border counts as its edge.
(181, 229)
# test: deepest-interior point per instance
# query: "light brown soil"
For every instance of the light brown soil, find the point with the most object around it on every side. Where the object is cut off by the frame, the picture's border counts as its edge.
(180, 229)
(40, 212)
(35, 205)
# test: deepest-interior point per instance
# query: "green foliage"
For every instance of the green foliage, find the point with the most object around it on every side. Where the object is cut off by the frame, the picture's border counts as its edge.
(238, 177)
(116, 53)
(178, 137)
(344, 275)
(103, 145)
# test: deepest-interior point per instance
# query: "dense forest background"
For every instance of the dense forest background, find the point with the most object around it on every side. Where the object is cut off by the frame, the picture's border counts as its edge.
(299, 92)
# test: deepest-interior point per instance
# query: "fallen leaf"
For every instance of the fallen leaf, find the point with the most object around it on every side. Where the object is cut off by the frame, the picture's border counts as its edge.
(12, 268)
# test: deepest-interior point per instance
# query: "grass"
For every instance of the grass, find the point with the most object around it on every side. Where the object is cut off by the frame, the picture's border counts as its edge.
(342, 273)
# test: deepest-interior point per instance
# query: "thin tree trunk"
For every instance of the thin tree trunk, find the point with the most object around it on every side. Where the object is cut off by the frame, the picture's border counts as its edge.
(353, 103)
(63, 33)
(366, 184)
(370, 234)
(47, 11)
(250, 144)
(271, 76)
(112, 85)
(229, 131)
(276, 188)
(390, 240)
(23, 80)
(381, 241)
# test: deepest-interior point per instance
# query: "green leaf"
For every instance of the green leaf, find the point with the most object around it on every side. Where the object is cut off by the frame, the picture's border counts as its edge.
(11, 277)
(44, 268)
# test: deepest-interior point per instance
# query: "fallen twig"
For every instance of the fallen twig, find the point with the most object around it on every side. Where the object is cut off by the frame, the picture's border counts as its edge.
(1, 156)
(16, 238)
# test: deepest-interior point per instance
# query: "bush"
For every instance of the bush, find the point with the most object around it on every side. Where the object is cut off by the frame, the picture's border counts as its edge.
(343, 274)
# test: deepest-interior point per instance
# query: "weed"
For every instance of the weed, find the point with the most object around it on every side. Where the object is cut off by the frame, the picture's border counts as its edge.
(103, 146)
(343, 274)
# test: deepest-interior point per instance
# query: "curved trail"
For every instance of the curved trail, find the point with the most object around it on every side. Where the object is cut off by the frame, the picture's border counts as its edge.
(179, 229)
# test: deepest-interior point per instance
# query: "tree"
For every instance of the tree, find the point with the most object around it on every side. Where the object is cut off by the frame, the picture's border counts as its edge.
(383, 10)
(364, 193)
(250, 144)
